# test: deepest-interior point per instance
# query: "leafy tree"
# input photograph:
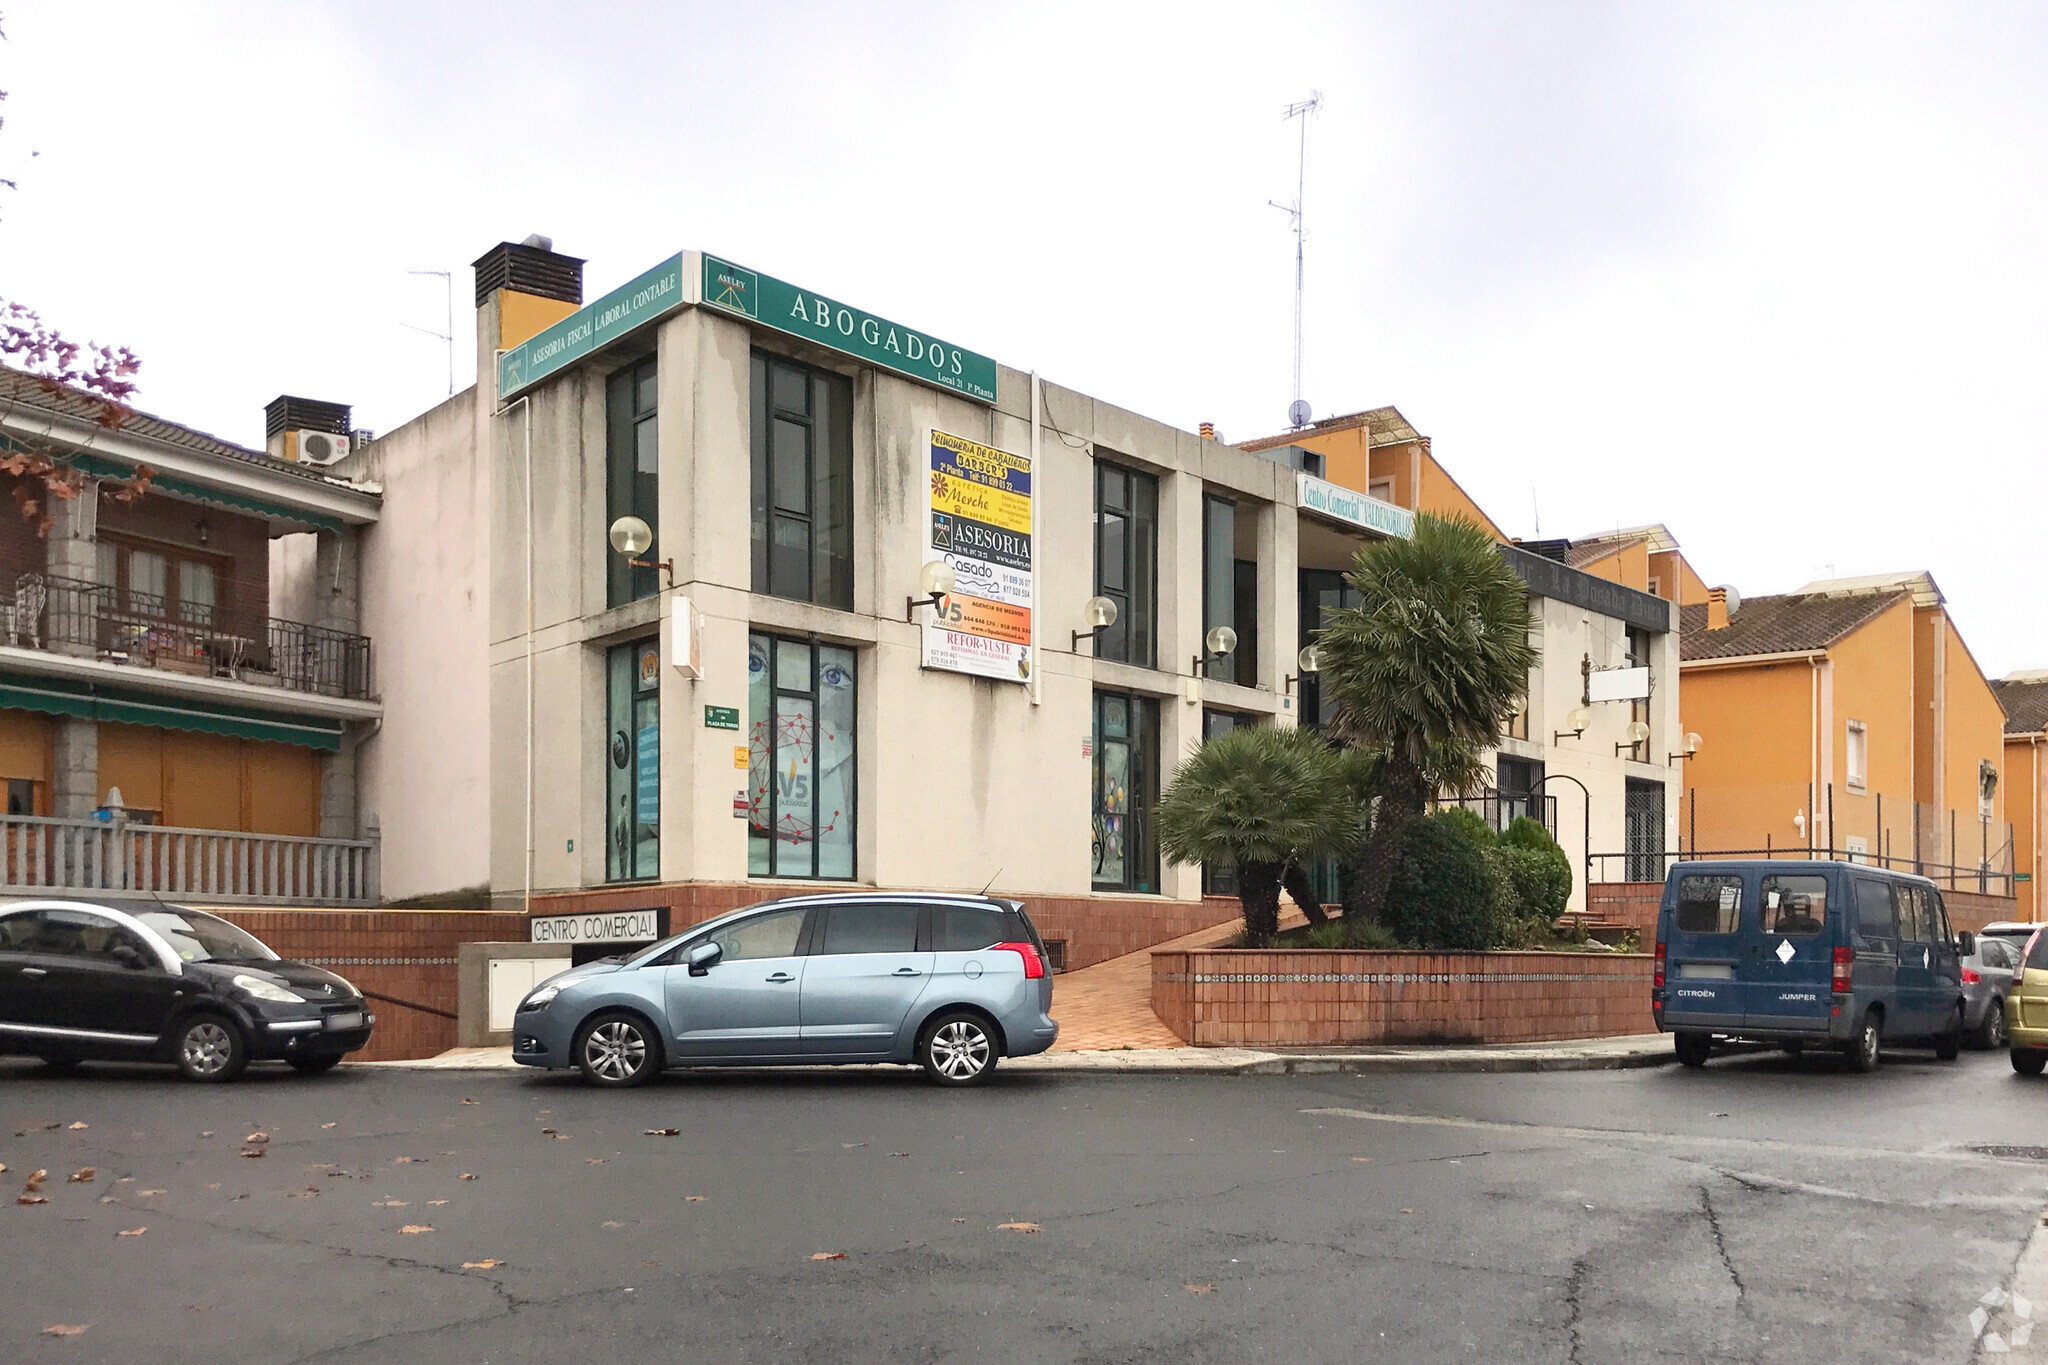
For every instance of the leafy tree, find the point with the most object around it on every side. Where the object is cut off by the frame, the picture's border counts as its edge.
(1260, 799)
(104, 376)
(1422, 673)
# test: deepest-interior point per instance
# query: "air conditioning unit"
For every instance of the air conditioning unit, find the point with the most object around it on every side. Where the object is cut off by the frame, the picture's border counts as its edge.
(319, 447)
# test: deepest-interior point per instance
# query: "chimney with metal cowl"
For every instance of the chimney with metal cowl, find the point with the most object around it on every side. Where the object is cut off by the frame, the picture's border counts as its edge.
(289, 421)
(1717, 608)
(531, 267)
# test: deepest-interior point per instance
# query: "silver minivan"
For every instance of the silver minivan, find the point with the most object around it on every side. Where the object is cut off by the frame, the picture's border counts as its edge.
(951, 983)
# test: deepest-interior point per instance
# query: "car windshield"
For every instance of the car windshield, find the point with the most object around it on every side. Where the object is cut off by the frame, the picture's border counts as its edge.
(198, 937)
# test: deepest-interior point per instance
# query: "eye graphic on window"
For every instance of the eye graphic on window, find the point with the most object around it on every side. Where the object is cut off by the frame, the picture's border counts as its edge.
(834, 675)
(622, 749)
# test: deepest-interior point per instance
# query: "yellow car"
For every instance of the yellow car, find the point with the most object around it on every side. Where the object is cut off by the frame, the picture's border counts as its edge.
(2026, 1008)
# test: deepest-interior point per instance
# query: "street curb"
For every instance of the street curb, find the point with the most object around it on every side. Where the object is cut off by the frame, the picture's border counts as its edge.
(1143, 1062)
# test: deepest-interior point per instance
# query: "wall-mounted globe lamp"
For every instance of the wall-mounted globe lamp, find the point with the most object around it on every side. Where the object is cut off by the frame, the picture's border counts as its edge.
(935, 579)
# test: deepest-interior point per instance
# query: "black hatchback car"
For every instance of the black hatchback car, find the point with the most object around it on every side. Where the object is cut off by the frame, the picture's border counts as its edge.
(84, 982)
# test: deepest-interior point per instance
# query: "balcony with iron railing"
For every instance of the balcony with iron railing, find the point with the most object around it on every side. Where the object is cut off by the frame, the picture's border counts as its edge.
(119, 625)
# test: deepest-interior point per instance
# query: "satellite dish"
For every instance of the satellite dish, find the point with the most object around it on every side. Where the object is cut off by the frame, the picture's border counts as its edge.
(1734, 600)
(1297, 413)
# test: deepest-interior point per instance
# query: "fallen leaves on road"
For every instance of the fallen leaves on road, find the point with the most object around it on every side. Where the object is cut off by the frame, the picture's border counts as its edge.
(1199, 1288)
(259, 1137)
(252, 1152)
(213, 1185)
(414, 1229)
(310, 1192)
(828, 1255)
(693, 1199)
(1361, 1158)
(1407, 1210)
(491, 1264)
(326, 1125)
(610, 1224)
(82, 1176)
(547, 1132)
(959, 1220)
(65, 1329)
(662, 1132)
(899, 1154)
(3, 1168)
(1017, 1227)
(389, 1203)
(650, 1263)
(469, 1101)
(35, 1182)
(30, 1199)
(593, 1161)
(465, 1176)
(132, 1232)
(431, 1203)
(849, 1146)
(79, 1126)
(145, 1194)
(207, 1133)
(108, 1199)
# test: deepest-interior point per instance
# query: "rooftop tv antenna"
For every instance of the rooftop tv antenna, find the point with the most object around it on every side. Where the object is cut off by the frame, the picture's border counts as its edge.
(1298, 410)
(447, 337)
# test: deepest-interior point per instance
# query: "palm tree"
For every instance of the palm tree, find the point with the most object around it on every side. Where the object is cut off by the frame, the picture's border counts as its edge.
(1260, 798)
(1420, 675)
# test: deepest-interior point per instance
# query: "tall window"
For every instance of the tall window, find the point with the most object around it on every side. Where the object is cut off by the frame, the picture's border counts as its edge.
(1639, 709)
(802, 482)
(1127, 561)
(800, 771)
(1220, 881)
(630, 477)
(1319, 592)
(1859, 756)
(1126, 782)
(1230, 590)
(632, 762)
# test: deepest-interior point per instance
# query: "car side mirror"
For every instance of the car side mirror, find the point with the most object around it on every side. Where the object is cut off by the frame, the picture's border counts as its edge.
(1966, 944)
(704, 957)
(128, 957)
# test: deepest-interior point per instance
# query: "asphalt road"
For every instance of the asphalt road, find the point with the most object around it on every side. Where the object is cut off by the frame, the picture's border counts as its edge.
(1767, 1209)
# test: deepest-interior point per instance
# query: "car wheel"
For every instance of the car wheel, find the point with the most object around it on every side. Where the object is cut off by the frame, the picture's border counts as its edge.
(1991, 1033)
(1693, 1048)
(1868, 1046)
(210, 1048)
(958, 1049)
(617, 1050)
(317, 1064)
(2028, 1062)
(1948, 1044)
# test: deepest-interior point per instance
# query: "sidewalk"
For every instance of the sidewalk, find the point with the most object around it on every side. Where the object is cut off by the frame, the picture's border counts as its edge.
(1592, 1054)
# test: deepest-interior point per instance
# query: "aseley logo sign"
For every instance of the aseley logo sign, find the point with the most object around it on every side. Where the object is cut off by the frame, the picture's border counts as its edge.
(1342, 504)
(851, 331)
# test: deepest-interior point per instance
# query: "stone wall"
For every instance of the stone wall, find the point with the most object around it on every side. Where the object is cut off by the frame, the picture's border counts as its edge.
(1298, 998)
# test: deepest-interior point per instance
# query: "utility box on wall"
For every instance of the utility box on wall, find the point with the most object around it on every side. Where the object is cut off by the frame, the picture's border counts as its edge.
(491, 980)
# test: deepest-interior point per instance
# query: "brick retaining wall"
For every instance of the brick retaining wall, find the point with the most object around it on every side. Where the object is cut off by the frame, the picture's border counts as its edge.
(1094, 928)
(1296, 998)
(1972, 910)
(406, 955)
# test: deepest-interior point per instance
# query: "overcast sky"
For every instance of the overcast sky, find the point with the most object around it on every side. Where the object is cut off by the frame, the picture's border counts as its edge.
(1775, 275)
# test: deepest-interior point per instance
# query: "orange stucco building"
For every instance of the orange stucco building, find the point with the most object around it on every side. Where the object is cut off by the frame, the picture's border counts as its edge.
(1850, 716)
(1646, 558)
(1379, 454)
(2025, 698)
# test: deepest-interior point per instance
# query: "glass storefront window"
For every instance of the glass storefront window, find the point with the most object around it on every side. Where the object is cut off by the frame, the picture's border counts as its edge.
(1125, 782)
(632, 763)
(632, 480)
(800, 771)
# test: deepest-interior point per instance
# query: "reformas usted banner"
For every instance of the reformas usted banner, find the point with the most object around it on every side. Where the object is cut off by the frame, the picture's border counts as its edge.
(980, 523)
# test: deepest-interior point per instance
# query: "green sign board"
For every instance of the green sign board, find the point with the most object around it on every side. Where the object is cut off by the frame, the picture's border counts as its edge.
(626, 308)
(2023, 876)
(826, 322)
(721, 718)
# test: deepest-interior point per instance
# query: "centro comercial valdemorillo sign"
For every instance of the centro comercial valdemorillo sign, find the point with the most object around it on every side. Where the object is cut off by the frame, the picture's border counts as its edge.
(1339, 503)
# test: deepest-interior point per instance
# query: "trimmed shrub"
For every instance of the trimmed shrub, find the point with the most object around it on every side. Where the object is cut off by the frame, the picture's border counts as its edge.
(1539, 885)
(1442, 894)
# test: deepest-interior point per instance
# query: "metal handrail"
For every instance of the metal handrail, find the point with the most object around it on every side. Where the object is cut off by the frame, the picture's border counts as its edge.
(1989, 881)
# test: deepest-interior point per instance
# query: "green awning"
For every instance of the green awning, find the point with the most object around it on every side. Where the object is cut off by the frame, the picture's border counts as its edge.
(102, 468)
(58, 697)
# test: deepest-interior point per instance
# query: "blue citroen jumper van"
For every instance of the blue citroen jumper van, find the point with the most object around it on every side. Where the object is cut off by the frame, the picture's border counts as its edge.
(1820, 954)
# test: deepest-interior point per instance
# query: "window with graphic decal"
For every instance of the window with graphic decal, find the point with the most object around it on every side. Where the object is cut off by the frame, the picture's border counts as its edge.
(1795, 906)
(800, 769)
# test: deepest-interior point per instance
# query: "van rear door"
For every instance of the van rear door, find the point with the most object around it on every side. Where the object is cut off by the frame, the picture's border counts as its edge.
(1788, 953)
(1702, 946)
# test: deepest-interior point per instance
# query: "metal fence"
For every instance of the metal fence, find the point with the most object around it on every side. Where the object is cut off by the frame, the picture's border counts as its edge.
(1500, 809)
(1993, 878)
(68, 615)
(47, 856)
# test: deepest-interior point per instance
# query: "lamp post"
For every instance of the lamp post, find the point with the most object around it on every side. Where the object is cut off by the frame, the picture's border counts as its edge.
(1100, 614)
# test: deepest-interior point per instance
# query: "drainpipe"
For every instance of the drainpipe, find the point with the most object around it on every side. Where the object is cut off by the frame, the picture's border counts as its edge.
(1037, 495)
(526, 422)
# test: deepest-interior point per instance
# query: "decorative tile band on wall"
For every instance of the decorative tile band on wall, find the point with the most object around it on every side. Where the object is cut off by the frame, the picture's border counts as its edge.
(379, 961)
(1306, 997)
